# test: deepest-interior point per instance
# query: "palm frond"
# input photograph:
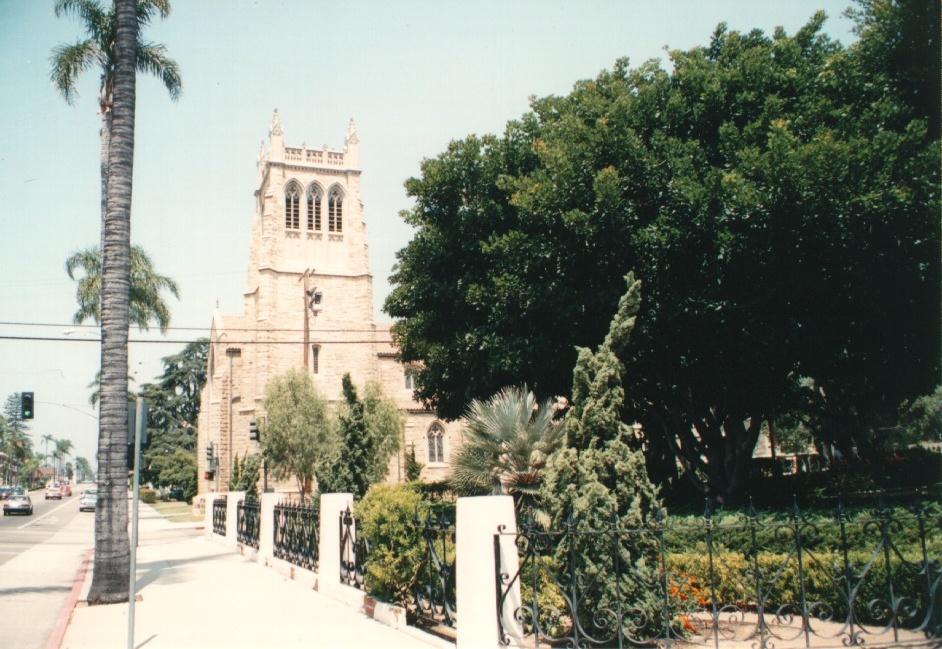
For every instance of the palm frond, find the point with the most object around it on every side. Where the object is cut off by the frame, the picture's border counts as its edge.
(68, 63)
(152, 59)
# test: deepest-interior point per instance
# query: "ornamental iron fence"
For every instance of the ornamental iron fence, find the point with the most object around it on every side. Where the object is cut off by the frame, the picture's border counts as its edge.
(248, 514)
(219, 516)
(434, 597)
(353, 551)
(852, 578)
(297, 530)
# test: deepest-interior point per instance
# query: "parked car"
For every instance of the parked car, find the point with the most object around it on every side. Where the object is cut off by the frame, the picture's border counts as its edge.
(5, 492)
(52, 491)
(88, 501)
(65, 490)
(18, 504)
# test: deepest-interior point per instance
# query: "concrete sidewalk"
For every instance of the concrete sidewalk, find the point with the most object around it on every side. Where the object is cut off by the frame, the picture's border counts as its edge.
(196, 593)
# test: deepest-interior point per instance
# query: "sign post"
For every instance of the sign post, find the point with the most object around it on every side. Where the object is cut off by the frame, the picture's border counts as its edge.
(137, 418)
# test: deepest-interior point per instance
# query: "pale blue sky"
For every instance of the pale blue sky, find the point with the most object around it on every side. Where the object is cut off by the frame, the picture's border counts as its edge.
(414, 75)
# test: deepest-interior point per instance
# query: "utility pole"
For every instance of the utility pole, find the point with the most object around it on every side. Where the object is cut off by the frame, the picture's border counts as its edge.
(305, 278)
(231, 352)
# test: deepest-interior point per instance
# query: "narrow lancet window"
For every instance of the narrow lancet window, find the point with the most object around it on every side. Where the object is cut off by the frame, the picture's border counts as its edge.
(436, 434)
(313, 209)
(292, 207)
(335, 210)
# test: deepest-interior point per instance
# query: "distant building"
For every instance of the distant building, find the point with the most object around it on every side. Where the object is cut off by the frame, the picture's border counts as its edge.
(308, 303)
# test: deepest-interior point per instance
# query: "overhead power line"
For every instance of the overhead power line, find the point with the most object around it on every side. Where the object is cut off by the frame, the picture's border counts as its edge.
(164, 341)
(206, 329)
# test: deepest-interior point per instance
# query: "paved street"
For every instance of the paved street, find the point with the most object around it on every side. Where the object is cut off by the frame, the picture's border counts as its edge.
(40, 557)
(19, 533)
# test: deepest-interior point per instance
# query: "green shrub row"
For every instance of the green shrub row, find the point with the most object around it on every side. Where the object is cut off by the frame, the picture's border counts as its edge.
(822, 582)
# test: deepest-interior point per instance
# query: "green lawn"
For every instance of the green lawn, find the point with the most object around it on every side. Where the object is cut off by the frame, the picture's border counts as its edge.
(176, 512)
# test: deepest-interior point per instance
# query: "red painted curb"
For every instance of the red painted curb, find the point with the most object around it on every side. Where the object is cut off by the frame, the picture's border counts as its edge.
(62, 623)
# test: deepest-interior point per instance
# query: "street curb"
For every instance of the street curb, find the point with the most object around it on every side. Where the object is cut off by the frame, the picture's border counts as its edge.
(62, 623)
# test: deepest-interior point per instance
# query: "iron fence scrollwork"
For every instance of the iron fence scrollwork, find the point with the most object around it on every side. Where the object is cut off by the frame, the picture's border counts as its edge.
(353, 551)
(297, 534)
(219, 516)
(247, 522)
(434, 596)
(851, 579)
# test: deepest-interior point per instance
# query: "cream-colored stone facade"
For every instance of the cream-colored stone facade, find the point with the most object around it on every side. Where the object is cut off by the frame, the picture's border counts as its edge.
(308, 303)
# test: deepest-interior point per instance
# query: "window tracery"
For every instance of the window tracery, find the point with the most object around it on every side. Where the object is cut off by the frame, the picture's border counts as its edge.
(335, 210)
(313, 208)
(436, 450)
(292, 207)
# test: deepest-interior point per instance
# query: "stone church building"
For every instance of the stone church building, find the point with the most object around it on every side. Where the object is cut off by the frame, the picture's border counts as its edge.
(308, 303)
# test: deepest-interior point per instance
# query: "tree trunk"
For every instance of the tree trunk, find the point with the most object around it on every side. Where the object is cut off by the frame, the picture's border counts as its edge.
(112, 547)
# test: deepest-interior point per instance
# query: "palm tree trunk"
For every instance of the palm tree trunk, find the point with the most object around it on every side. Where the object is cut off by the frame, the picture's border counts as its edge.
(112, 546)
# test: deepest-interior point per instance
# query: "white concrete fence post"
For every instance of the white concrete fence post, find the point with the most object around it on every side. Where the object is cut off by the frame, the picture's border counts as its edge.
(477, 521)
(328, 572)
(266, 527)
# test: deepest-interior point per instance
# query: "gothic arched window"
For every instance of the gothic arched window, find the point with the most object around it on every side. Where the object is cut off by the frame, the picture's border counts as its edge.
(292, 207)
(313, 208)
(436, 448)
(335, 210)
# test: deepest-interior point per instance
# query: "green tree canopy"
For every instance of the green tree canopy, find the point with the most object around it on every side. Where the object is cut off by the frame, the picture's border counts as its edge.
(298, 437)
(370, 431)
(779, 205)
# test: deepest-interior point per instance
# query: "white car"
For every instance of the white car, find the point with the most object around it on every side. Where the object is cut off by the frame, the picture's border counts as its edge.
(18, 504)
(88, 501)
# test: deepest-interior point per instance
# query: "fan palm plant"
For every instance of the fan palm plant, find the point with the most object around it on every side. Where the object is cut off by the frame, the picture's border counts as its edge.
(507, 442)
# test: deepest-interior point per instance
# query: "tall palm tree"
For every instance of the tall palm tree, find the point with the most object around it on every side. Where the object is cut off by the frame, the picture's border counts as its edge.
(98, 50)
(113, 44)
(63, 447)
(45, 440)
(507, 442)
(146, 285)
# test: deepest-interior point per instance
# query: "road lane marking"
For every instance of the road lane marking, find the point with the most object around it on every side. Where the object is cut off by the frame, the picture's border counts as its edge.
(46, 514)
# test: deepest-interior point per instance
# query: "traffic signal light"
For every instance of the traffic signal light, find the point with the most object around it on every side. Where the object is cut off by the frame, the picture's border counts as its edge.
(209, 453)
(26, 405)
(253, 431)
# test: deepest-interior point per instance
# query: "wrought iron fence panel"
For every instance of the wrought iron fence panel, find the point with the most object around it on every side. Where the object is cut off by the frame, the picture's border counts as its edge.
(434, 596)
(247, 522)
(219, 516)
(872, 577)
(353, 551)
(297, 534)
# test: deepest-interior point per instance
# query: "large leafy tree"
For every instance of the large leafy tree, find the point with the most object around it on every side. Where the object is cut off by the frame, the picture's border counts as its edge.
(370, 432)
(146, 286)
(298, 437)
(172, 405)
(83, 469)
(12, 411)
(779, 206)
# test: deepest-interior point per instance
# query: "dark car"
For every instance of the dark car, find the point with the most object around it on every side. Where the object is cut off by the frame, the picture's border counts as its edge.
(18, 504)
(5, 492)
